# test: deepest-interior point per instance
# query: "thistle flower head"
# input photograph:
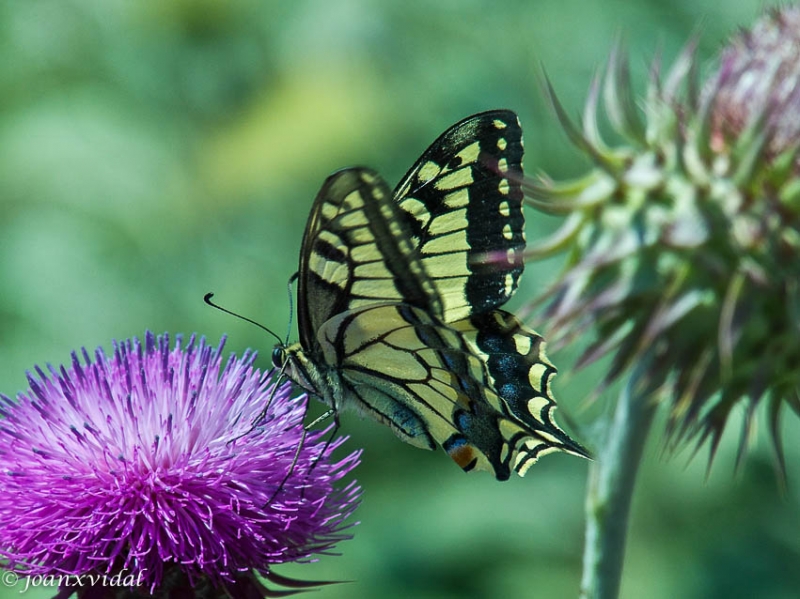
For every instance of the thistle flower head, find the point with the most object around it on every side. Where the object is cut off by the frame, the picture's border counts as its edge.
(685, 242)
(758, 86)
(146, 463)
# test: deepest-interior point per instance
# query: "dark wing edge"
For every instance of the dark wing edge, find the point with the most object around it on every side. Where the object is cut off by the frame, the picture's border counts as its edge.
(463, 205)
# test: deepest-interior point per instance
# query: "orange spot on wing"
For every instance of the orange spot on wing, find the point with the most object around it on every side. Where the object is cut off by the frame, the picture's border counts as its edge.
(463, 455)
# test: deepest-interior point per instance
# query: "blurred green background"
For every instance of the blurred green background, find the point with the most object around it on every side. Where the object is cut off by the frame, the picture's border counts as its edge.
(153, 151)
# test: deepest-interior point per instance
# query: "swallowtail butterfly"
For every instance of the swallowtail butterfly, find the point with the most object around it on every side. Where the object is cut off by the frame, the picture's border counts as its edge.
(399, 296)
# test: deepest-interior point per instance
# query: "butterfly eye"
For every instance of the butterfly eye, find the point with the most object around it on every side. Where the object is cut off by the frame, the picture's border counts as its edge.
(278, 356)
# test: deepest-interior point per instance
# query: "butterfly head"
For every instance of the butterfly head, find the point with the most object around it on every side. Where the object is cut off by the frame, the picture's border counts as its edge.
(279, 356)
(293, 362)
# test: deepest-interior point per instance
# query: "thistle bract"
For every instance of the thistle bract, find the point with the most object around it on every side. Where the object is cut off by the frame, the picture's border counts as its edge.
(685, 243)
(148, 463)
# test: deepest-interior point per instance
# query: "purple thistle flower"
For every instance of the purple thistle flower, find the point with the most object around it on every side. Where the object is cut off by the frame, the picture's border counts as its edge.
(147, 463)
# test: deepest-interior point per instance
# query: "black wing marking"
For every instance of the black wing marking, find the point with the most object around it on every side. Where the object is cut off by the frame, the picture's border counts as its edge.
(463, 205)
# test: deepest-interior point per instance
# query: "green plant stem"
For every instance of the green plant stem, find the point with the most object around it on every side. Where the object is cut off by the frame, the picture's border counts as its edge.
(612, 478)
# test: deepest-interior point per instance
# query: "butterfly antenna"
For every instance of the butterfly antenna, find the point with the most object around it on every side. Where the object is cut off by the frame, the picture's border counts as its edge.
(207, 299)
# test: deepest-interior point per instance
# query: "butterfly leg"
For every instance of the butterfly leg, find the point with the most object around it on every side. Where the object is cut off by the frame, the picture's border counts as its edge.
(323, 418)
(291, 467)
(262, 415)
(334, 430)
(296, 457)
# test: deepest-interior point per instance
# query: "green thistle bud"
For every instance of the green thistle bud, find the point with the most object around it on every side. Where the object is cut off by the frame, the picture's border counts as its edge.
(684, 245)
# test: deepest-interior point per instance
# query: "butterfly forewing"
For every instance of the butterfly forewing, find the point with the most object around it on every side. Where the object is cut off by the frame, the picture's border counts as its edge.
(357, 251)
(464, 205)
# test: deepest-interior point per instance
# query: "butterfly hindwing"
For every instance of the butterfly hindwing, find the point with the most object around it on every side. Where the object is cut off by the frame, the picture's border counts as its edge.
(431, 386)
(518, 370)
